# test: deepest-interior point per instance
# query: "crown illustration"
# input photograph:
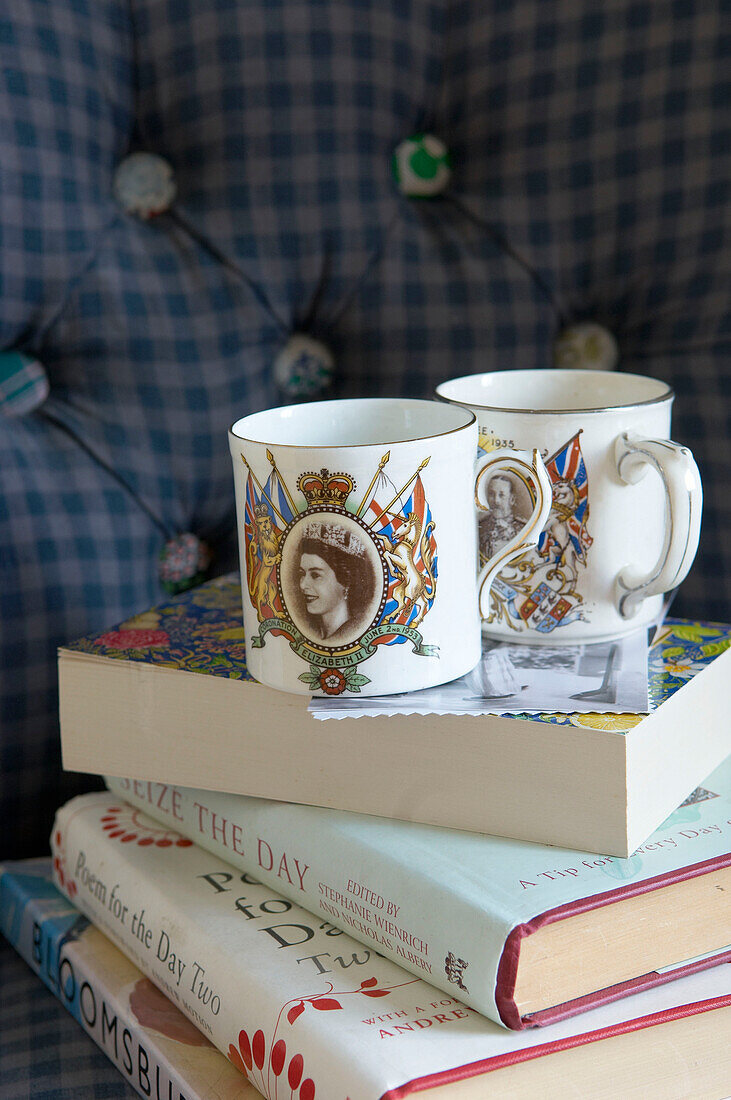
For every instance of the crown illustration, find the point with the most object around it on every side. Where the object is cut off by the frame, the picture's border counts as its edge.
(261, 511)
(332, 534)
(325, 488)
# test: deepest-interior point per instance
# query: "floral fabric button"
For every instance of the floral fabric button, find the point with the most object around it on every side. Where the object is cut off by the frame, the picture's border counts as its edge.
(304, 367)
(422, 166)
(183, 563)
(586, 346)
(23, 383)
(144, 185)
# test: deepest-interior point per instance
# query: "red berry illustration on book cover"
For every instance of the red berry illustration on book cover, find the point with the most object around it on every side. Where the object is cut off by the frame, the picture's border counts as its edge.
(265, 1063)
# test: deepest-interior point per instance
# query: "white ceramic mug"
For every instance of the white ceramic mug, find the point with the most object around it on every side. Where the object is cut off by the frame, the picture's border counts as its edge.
(357, 526)
(625, 519)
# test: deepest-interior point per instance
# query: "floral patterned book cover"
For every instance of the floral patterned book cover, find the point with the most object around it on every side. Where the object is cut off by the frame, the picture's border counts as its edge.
(300, 1009)
(202, 631)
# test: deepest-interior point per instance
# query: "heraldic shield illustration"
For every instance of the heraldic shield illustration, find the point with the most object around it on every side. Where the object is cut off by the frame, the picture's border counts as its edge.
(542, 588)
(338, 576)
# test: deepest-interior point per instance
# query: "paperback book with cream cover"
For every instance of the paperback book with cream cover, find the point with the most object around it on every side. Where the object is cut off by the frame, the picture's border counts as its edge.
(167, 696)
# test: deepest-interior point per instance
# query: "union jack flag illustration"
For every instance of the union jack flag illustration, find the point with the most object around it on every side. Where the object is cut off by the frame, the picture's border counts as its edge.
(277, 501)
(566, 527)
(410, 533)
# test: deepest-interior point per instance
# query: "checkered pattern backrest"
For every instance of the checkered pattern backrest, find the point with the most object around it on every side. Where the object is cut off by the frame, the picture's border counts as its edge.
(586, 144)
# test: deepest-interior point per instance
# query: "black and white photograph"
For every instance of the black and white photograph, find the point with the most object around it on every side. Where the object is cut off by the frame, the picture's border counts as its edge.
(604, 677)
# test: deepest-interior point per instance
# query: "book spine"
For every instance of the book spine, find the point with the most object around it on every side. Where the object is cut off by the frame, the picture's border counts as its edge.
(368, 891)
(46, 930)
(300, 1009)
(260, 977)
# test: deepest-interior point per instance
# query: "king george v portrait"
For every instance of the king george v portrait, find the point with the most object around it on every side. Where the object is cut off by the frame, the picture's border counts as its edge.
(504, 519)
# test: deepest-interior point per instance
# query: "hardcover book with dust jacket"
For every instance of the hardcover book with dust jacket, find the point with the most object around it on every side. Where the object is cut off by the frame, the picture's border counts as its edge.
(524, 933)
(302, 1009)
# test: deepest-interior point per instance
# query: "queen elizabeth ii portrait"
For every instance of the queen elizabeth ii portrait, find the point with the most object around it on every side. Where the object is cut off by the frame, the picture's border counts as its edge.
(332, 579)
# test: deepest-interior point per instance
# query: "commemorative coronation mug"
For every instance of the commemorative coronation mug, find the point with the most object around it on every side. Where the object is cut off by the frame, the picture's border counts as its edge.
(625, 518)
(357, 527)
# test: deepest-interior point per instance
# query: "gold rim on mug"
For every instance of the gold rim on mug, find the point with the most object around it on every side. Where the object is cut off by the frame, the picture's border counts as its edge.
(382, 402)
(445, 390)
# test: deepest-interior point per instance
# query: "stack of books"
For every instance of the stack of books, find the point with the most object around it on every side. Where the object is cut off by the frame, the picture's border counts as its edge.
(220, 920)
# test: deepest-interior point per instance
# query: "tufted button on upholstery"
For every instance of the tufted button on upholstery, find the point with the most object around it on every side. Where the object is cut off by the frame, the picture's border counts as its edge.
(144, 184)
(304, 367)
(23, 383)
(183, 563)
(422, 166)
(586, 346)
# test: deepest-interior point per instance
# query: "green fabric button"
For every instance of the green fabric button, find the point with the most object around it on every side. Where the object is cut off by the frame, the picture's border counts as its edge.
(422, 166)
(23, 383)
(304, 367)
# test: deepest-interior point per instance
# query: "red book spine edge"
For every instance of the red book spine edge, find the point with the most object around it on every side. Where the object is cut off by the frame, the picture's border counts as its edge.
(508, 967)
(474, 1069)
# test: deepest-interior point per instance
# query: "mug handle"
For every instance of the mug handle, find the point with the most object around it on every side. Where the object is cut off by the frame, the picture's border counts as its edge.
(683, 505)
(531, 470)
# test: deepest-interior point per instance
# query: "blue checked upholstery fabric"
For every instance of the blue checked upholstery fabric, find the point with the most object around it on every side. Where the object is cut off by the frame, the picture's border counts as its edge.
(44, 1052)
(589, 147)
